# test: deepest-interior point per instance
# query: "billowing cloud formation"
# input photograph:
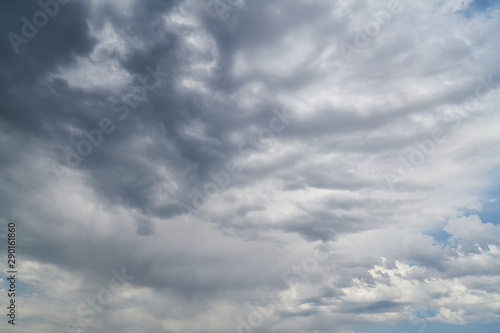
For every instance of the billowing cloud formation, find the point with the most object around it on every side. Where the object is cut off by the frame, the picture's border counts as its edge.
(237, 165)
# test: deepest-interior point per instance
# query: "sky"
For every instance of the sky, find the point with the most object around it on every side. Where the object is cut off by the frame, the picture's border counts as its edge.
(326, 166)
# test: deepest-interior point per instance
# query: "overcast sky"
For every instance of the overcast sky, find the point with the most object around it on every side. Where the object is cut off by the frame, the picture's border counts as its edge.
(326, 166)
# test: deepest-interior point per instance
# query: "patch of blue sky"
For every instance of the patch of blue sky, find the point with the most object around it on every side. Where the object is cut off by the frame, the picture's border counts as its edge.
(479, 6)
(420, 325)
(490, 211)
(440, 236)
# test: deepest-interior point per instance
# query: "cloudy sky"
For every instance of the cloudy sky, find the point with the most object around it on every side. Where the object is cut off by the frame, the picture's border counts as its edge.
(326, 166)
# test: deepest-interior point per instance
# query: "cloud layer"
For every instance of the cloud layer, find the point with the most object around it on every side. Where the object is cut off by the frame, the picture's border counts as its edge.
(304, 166)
